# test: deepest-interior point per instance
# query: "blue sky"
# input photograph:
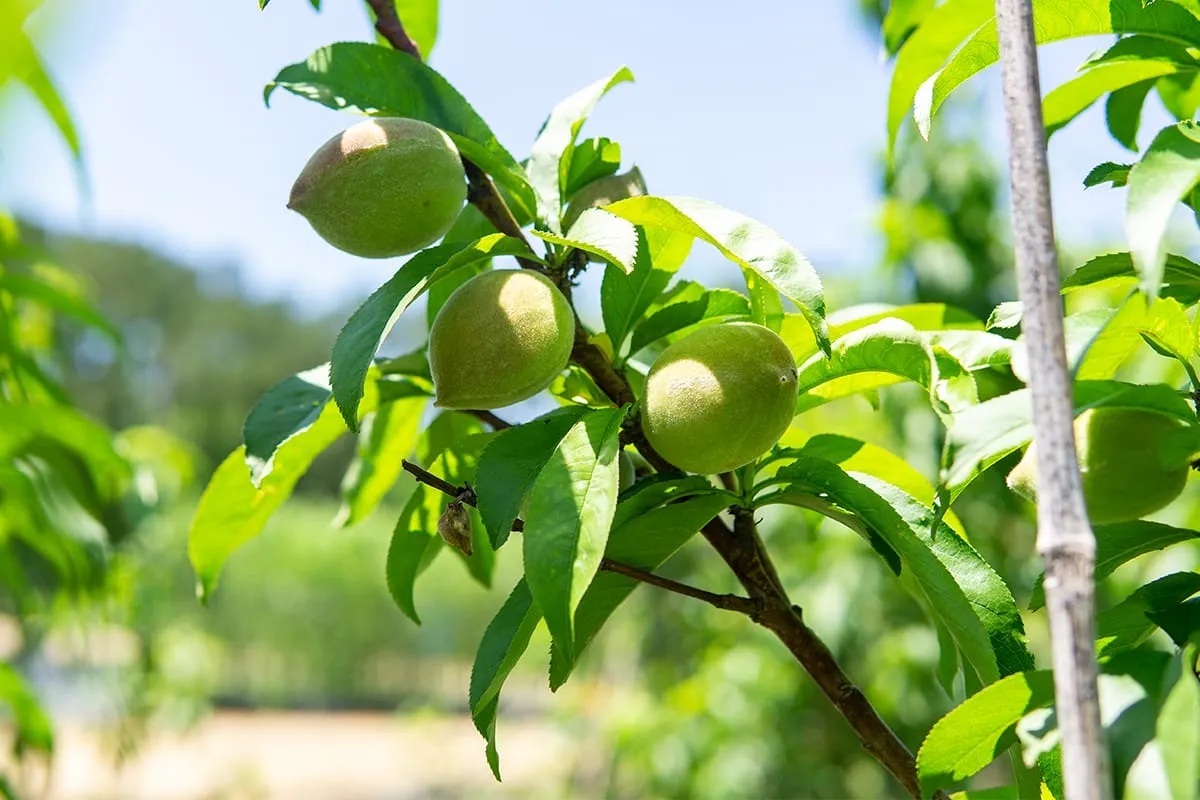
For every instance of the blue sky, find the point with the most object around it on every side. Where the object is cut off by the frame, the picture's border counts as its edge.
(772, 107)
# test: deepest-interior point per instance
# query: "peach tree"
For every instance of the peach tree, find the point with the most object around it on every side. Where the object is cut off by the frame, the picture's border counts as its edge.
(674, 411)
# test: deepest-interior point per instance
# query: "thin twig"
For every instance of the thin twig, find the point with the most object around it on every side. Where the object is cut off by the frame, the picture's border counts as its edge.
(389, 26)
(1065, 539)
(726, 602)
(489, 418)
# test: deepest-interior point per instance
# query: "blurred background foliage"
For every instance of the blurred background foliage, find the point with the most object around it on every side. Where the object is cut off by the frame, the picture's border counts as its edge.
(674, 699)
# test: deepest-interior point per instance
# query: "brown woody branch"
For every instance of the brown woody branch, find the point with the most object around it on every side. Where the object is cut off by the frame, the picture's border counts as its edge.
(488, 418)
(742, 548)
(389, 26)
(726, 602)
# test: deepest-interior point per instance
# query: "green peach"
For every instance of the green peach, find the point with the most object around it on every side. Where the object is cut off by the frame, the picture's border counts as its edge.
(1127, 462)
(720, 397)
(384, 187)
(500, 338)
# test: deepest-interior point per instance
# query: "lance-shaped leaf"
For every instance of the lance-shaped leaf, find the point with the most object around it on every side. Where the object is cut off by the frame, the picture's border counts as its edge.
(379, 81)
(981, 728)
(878, 355)
(713, 305)
(591, 160)
(504, 642)
(902, 18)
(1122, 542)
(1056, 21)
(550, 155)
(23, 63)
(624, 298)
(1181, 276)
(511, 463)
(33, 728)
(1123, 112)
(367, 327)
(905, 526)
(386, 438)
(1165, 175)
(746, 242)
(1078, 94)
(567, 524)
(979, 436)
(27, 287)
(644, 541)
(289, 408)
(1178, 728)
(597, 232)
(1129, 623)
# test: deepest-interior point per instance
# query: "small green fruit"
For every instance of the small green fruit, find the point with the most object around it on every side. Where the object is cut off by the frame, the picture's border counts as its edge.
(720, 397)
(1128, 463)
(384, 187)
(500, 338)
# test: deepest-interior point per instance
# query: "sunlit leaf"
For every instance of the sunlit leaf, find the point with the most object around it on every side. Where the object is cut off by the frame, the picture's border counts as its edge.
(597, 232)
(570, 510)
(288, 409)
(624, 298)
(1166, 173)
(550, 155)
(748, 243)
(386, 438)
(1178, 728)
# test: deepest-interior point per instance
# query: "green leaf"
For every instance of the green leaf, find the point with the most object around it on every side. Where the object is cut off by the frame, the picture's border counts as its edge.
(232, 510)
(941, 32)
(1056, 20)
(879, 355)
(1108, 172)
(905, 526)
(367, 327)
(766, 306)
(386, 438)
(591, 160)
(33, 728)
(1122, 334)
(748, 243)
(420, 18)
(903, 17)
(644, 542)
(1078, 94)
(23, 63)
(1178, 728)
(1180, 274)
(1123, 113)
(550, 155)
(713, 305)
(597, 232)
(624, 298)
(288, 409)
(978, 730)
(567, 524)
(656, 490)
(504, 642)
(1127, 624)
(604, 191)
(30, 288)
(510, 465)
(1164, 176)
(379, 81)
(1122, 542)
(979, 436)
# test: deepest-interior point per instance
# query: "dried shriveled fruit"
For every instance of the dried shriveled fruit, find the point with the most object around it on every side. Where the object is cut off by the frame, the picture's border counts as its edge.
(1132, 462)
(500, 338)
(720, 397)
(384, 187)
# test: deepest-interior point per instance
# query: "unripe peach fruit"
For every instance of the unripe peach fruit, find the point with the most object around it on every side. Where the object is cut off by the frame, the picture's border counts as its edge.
(384, 187)
(500, 338)
(720, 397)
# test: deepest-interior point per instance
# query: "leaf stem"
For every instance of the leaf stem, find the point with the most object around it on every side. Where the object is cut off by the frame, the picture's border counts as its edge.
(726, 602)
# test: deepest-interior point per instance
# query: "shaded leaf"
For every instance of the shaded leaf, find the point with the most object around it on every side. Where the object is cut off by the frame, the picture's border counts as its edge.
(288, 409)
(712, 305)
(386, 438)
(1127, 624)
(591, 160)
(1108, 172)
(33, 728)
(1178, 728)
(624, 298)
(1123, 112)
